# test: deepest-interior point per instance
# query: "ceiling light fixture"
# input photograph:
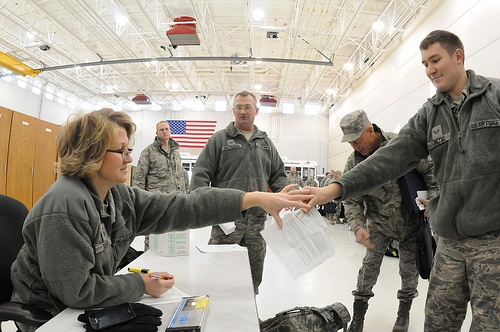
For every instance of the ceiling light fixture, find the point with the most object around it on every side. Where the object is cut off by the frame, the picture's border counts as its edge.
(258, 14)
(121, 19)
(220, 105)
(311, 108)
(288, 108)
(378, 26)
(348, 66)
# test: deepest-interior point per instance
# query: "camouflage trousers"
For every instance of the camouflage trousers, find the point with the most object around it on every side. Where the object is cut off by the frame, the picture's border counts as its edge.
(370, 269)
(247, 234)
(464, 270)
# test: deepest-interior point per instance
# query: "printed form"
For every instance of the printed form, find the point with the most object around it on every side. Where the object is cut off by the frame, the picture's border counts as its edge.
(302, 243)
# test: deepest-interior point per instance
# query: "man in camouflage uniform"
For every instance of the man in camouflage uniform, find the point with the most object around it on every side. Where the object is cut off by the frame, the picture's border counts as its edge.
(294, 178)
(311, 182)
(327, 176)
(459, 127)
(379, 217)
(242, 157)
(160, 167)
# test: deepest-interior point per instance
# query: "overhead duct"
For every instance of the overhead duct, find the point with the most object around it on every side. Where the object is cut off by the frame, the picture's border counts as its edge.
(183, 32)
(141, 99)
(269, 101)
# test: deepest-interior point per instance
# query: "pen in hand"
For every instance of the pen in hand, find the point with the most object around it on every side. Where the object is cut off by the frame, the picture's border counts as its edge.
(157, 277)
(148, 272)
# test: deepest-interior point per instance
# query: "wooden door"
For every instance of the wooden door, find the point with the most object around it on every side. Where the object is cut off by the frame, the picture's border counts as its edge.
(20, 158)
(5, 121)
(45, 163)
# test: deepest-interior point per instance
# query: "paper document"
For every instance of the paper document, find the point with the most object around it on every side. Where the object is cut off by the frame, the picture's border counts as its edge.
(174, 295)
(220, 247)
(228, 227)
(421, 194)
(302, 243)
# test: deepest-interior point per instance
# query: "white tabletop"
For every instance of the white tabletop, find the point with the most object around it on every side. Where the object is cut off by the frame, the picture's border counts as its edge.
(224, 276)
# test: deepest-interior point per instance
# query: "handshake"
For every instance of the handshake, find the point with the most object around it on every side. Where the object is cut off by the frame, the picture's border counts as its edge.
(305, 199)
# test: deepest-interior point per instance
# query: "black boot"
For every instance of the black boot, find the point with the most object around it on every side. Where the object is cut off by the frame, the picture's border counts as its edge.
(358, 316)
(403, 319)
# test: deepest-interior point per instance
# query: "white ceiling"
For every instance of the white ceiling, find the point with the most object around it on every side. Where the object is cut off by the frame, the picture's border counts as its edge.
(315, 39)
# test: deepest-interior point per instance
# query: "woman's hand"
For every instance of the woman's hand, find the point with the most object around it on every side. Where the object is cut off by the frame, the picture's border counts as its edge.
(275, 202)
(288, 188)
(158, 283)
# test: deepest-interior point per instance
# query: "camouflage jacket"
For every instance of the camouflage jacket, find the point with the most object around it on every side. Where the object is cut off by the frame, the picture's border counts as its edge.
(295, 179)
(159, 170)
(381, 208)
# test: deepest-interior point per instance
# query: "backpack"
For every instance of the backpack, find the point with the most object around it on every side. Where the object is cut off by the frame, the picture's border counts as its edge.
(330, 318)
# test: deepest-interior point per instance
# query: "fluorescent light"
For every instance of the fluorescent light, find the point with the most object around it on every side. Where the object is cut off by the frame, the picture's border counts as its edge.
(155, 107)
(266, 109)
(378, 26)
(348, 66)
(21, 82)
(288, 108)
(311, 108)
(258, 14)
(197, 105)
(220, 105)
(121, 20)
(257, 87)
(49, 93)
(176, 106)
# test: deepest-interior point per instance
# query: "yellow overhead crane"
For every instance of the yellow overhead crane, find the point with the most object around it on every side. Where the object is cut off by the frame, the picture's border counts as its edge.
(17, 66)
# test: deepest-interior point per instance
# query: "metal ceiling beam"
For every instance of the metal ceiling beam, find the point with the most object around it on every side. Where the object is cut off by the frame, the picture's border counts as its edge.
(195, 58)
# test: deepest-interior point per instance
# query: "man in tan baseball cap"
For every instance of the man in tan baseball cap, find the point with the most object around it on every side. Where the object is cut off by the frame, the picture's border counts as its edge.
(360, 133)
(377, 219)
(353, 124)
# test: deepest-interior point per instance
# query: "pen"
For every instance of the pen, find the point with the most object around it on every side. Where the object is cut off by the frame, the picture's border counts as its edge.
(138, 270)
(154, 276)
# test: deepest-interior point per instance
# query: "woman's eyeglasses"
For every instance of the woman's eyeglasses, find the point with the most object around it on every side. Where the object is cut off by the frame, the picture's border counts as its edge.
(125, 153)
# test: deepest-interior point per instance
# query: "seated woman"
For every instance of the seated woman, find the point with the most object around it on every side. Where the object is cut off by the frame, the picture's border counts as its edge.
(79, 231)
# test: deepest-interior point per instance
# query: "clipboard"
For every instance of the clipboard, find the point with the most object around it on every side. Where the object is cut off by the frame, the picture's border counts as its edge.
(190, 314)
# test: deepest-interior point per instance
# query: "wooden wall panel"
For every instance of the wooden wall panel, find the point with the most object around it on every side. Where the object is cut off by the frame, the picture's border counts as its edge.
(20, 158)
(5, 121)
(45, 161)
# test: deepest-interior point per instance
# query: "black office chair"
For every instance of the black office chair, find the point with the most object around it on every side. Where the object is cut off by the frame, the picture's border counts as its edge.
(12, 215)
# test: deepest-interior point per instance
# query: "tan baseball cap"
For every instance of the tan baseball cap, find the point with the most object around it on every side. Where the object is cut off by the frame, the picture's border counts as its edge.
(353, 124)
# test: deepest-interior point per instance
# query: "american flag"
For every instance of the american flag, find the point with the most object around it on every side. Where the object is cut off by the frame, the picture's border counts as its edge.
(192, 133)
